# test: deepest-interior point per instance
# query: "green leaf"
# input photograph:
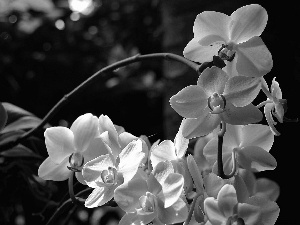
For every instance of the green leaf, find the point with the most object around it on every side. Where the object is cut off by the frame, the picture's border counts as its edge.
(19, 151)
(10, 136)
(23, 123)
(3, 116)
(14, 112)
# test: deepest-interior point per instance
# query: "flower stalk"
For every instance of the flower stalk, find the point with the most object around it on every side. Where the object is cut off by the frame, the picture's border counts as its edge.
(220, 155)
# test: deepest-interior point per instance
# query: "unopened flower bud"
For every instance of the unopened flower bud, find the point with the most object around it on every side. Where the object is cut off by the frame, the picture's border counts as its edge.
(195, 173)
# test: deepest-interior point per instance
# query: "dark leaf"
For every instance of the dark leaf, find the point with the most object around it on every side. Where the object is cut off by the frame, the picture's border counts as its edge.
(23, 123)
(19, 151)
(10, 136)
(14, 112)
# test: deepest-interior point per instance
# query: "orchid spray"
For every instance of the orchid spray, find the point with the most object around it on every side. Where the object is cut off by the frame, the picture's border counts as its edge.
(168, 182)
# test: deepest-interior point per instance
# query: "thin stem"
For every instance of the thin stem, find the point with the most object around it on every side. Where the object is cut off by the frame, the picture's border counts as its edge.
(220, 155)
(94, 77)
(75, 200)
(66, 205)
(187, 221)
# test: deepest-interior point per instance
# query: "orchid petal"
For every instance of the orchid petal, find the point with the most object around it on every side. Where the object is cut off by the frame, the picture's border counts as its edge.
(172, 188)
(257, 135)
(92, 170)
(198, 53)
(247, 22)
(256, 158)
(269, 210)
(80, 178)
(230, 67)
(198, 151)
(130, 219)
(212, 24)
(249, 179)
(125, 138)
(145, 217)
(213, 184)
(268, 114)
(267, 188)
(84, 128)
(189, 102)
(59, 143)
(212, 211)
(241, 90)
(176, 213)
(105, 124)
(279, 112)
(99, 196)
(49, 170)
(242, 193)
(211, 151)
(201, 126)
(181, 143)
(241, 115)
(227, 162)
(162, 171)
(253, 58)
(113, 149)
(153, 185)
(275, 89)
(162, 152)
(227, 199)
(213, 80)
(249, 213)
(95, 149)
(130, 159)
(233, 136)
(127, 194)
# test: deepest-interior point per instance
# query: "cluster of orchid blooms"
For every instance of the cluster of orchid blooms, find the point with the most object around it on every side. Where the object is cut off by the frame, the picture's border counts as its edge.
(161, 183)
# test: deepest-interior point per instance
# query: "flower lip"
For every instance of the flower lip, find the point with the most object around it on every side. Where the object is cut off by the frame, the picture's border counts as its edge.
(76, 161)
(226, 52)
(147, 202)
(216, 102)
(109, 176)
(235, 220)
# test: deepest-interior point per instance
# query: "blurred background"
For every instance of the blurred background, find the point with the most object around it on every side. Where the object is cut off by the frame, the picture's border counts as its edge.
(48, 47)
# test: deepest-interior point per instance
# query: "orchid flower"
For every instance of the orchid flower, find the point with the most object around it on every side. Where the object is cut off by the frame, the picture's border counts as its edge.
(251, 145)
(71, 148)
(275, 105)
(227, 210)
(3, 116)
(262, 187)
(216, 98)
(157, 198)
(116, 137)
(175, 153)
(234, 38)
(105, 173)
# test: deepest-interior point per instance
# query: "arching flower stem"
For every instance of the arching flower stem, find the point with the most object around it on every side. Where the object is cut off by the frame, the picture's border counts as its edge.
(220, 155)
(64, 207)
(75, 200)
(92, 79)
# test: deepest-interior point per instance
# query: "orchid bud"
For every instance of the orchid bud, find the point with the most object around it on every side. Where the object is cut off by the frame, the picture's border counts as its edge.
(195, 173)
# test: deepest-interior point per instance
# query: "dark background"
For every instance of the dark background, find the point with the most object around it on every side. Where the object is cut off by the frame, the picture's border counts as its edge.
(40, 63)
